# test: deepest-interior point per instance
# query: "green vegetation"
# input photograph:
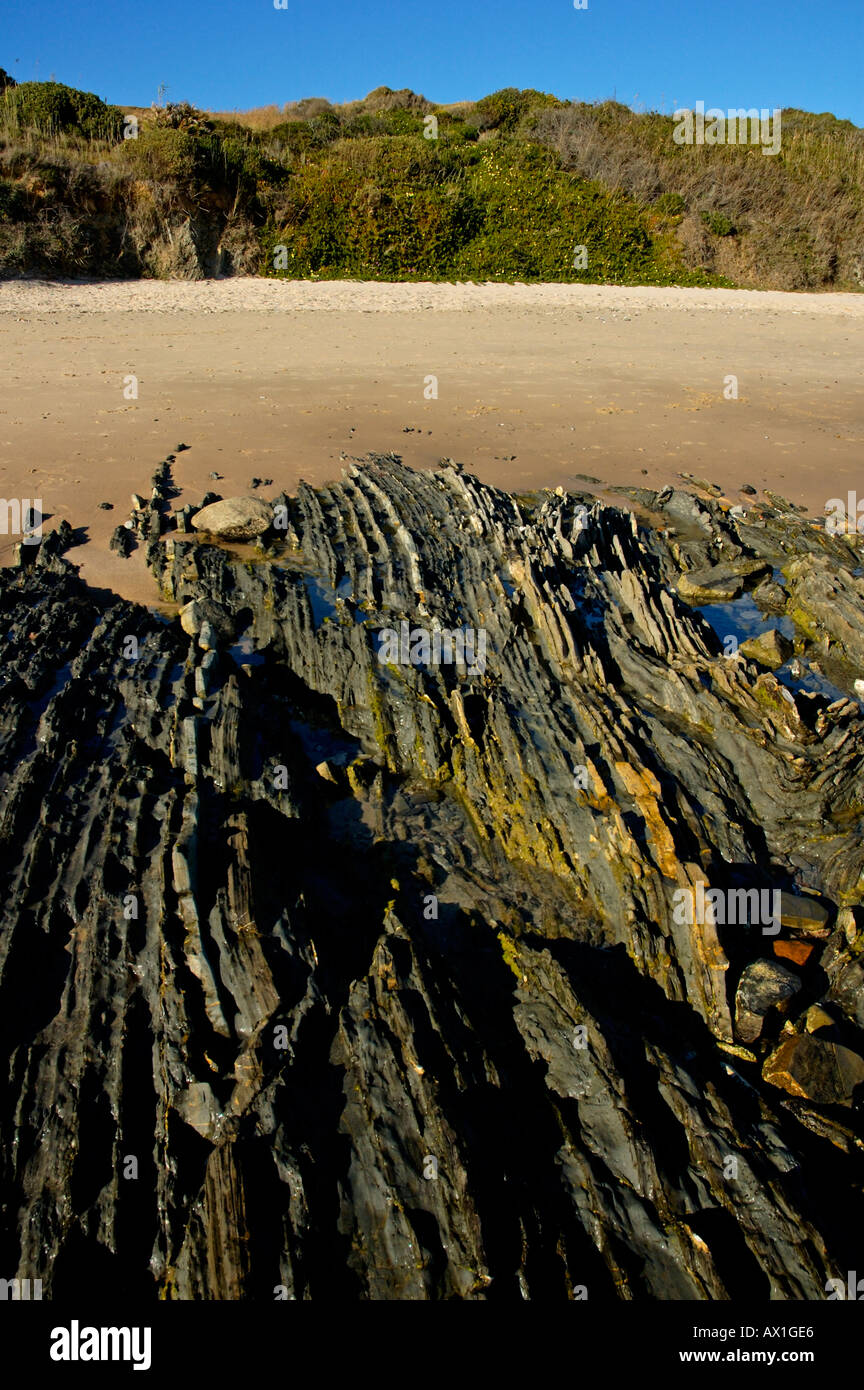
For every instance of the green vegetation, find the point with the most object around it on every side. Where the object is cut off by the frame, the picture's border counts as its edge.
(718, 223)
(506, 188)
(671, 205)
(398, 208)
(51, 109)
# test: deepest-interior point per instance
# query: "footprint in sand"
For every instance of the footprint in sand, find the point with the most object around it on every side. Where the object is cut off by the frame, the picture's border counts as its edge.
(52, 479)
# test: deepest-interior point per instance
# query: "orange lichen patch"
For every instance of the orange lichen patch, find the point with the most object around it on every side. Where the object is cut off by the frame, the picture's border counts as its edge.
(645, 790)
(797, 951)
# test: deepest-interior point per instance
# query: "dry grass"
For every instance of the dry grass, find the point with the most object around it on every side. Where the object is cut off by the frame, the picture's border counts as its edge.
(62, 148)
(797, 218)
(258, 118)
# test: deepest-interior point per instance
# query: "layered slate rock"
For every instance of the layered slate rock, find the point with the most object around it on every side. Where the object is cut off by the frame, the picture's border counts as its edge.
(427, 1024)
(721, 583)
(824, 599)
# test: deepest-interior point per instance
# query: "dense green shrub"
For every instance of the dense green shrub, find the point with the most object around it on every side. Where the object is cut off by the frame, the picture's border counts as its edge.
(340, 219)
(401, 122)
(718, 223)
(403, 208)
(505, 109)
(534, 217)
(324, 129)
(232, 163)
(163, 152)
(293, 138)
(52, 108)
(359, 125)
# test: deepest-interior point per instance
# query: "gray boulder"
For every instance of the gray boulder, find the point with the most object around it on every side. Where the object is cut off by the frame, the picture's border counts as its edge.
(764, 985)
(207, 621)
(235, 519)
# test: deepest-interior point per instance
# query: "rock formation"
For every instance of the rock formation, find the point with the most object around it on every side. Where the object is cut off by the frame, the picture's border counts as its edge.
(323, 975)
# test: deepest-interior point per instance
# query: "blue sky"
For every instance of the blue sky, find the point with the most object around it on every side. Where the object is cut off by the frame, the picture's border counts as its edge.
(234, 54)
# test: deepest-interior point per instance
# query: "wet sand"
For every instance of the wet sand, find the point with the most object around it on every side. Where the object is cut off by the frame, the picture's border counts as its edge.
(537, 386)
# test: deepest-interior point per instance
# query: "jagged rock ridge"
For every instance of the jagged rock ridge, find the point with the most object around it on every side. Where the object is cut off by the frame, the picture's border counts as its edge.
(336, 977)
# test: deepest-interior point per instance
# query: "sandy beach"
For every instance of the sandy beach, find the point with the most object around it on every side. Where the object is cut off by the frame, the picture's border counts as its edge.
(537, 386)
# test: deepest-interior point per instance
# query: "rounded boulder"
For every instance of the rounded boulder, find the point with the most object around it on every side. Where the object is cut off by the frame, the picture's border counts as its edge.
(235, 519)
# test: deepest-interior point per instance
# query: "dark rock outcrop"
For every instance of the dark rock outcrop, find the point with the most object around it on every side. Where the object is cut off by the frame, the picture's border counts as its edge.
(432, 1025)
(721, 582)
(827, 600)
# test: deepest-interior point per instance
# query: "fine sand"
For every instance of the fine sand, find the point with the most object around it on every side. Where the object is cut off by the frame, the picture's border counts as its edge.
(537, 386)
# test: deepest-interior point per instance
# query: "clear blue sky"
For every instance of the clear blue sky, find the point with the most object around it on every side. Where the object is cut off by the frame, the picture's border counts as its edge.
(227, 54)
